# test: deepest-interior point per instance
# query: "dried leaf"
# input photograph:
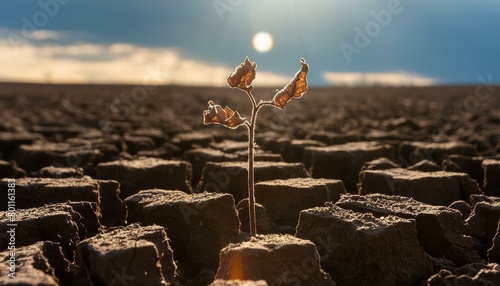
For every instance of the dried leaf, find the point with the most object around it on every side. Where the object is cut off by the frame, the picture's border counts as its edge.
(243, 75)
(226, 116)
(295, 88)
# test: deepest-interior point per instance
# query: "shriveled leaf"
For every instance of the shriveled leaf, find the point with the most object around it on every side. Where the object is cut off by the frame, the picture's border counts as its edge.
(243, 75)
(295, 88)
(226, 116)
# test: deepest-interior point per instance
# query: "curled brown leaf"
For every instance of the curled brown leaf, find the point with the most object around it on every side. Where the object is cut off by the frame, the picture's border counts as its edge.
(216, 114)
(295, 88)
(243, 75)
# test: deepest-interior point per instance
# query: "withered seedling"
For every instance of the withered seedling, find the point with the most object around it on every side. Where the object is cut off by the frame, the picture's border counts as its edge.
(242, 78)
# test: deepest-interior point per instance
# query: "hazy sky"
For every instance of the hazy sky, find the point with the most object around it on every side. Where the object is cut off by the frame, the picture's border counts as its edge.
(200, 41)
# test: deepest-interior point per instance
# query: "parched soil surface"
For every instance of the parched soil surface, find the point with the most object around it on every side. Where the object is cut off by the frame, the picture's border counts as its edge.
(125, 185)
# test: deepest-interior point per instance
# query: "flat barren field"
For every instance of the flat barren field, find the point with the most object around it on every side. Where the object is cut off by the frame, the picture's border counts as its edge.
(125, 185)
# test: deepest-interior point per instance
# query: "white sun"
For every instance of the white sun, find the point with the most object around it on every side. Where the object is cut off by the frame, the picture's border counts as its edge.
(262, 42)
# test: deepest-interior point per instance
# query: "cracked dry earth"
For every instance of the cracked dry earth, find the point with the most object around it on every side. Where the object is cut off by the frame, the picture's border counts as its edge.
(354, 186)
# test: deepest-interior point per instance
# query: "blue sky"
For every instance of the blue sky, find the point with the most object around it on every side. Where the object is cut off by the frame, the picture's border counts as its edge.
(346, 42)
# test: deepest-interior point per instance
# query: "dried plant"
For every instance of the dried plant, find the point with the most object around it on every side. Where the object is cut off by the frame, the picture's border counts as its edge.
(242, 78)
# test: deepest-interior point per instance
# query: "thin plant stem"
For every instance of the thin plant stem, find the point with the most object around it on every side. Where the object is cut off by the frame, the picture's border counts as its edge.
(251, 175)
(251, 190)
(251, 160)
(251, 97)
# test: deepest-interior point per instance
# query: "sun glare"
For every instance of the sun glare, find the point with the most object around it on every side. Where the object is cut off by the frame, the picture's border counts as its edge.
(262, 42)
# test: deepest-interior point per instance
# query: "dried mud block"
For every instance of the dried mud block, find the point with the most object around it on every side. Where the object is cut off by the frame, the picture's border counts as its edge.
(10, 170)
(130, 255)
(35, 192)
(155, 134)
(360, 249)
(345, 161)
(332, 138)
(380, 164)
(470, 165)
(264, 224)
(190, 140)
(450, 166)
(199, 225)
(31, 267)
(220, 282)
(147, 173)
(53, 252)
(440, 230)
(494, 251)
(491, 184)
(284, 199)
(435, 188)
(112, 207)
(479, 274)
(138, 143)
(294, 151)
(136, 203)
(200, 156)
(109, 145)
(404, 123)
(10, 141)
(474, 199)
(57, 132)
(276, 259)
(232, 177)
(166, 151)
(61, 172)
(221, 134)
(392, 137)
(230, 146)
(97, 136)
(413, 152)
(463, 207)
(269, 157)
(272, 141)
(480, 141)
(483, 220)
(259, 155)
(57, 223)
(88, 220)
(34, 157)
(424, 166)
(43, 260)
